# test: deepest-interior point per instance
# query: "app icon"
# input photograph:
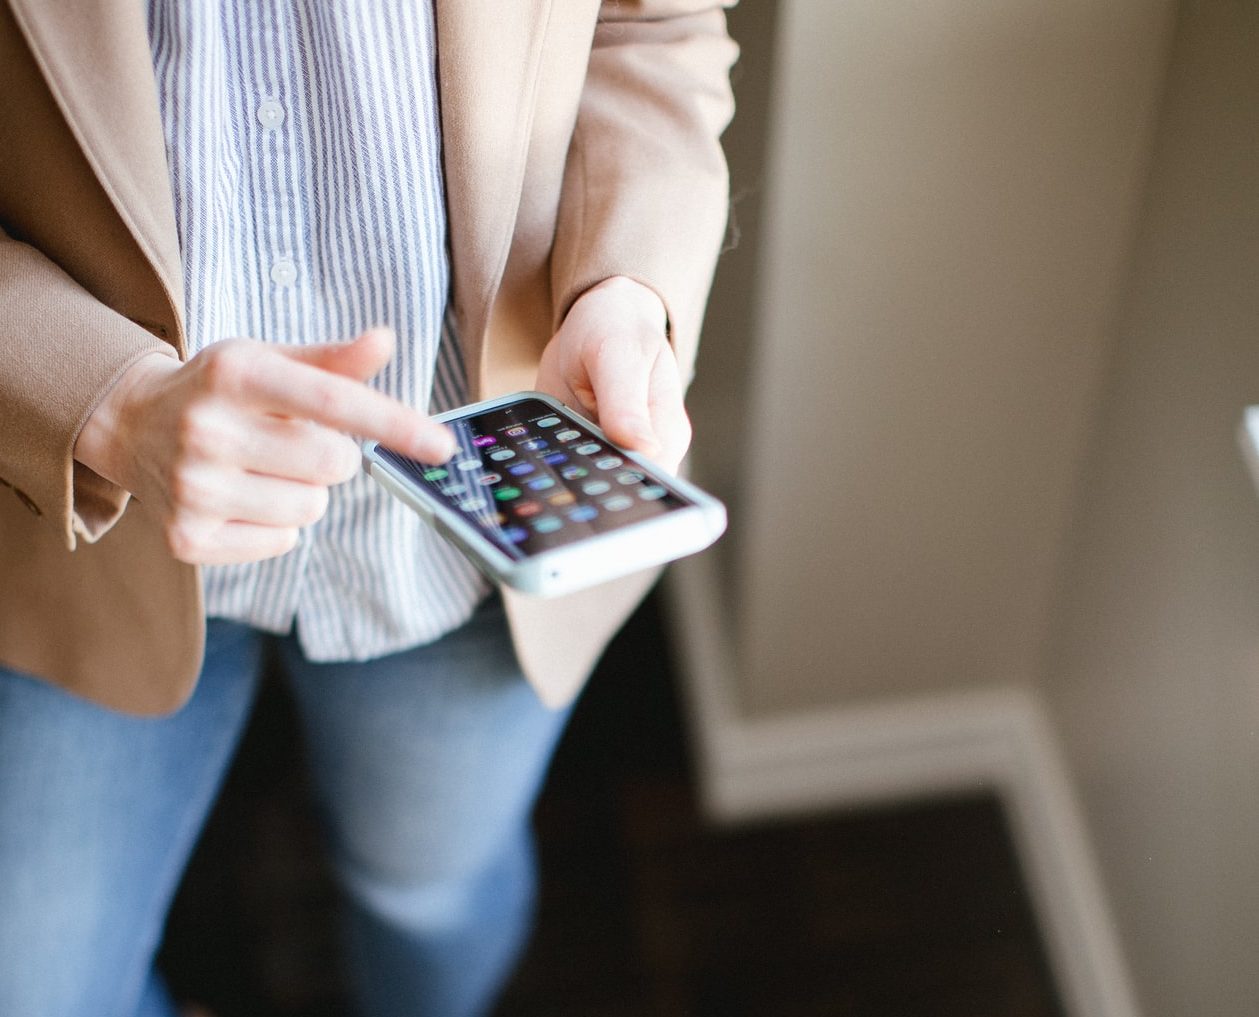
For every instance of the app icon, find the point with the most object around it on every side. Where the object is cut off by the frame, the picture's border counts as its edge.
(515, 534)
(582, 513)
(596, 487)
(501, 455)
(507, 493)
(465, 465)
(471, 505)
(541, 483)
(500, 518)
(618, 504)
(548, 421)
(533, 445)
(520, 469)
(554, 458)
(450, 490)
(630, 477)
(609, 462)
(567, 435)
(588, 449)
(525, 509)
(562, 498)
(651, 492)
(436, 473)
(490, 478)
(482, 440)
(547, 524)
(516, 432)
(573, 472)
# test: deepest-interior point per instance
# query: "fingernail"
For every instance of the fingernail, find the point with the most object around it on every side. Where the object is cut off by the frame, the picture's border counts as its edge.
(443, 445)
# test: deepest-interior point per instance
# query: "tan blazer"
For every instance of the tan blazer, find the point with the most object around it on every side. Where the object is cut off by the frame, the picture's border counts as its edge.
(580, 143)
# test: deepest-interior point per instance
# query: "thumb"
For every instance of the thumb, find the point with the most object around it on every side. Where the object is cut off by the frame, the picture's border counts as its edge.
(360, 358)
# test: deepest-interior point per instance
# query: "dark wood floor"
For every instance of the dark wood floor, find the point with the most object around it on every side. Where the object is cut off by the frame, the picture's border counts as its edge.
(913, 911)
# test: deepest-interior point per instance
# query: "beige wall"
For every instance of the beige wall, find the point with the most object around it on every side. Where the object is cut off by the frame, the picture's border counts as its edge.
(947, 209)
(973, 380)
(1154, 675)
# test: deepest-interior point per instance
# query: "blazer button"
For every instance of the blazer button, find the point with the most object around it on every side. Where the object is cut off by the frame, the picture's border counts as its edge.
(25, 499)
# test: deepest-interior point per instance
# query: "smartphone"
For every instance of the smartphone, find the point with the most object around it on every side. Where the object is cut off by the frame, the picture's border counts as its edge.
(542, 501)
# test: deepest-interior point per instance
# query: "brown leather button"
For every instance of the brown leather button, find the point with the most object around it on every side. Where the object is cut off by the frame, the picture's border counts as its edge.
(25, 499)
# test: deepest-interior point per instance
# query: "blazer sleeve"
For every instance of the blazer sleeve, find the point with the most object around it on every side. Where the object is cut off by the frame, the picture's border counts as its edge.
(61, 350)
(646, 191)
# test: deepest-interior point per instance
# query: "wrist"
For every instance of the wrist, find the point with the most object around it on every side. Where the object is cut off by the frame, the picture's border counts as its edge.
(634, 297)
(101, 443)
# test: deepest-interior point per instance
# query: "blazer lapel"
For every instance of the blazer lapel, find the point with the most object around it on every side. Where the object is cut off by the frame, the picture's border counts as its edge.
(488, 60)
(96, 58)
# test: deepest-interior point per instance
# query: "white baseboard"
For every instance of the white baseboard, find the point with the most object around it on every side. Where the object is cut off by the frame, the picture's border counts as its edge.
(998, 739)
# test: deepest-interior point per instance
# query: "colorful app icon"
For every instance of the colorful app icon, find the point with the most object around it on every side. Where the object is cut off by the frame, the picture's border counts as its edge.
(482, 440)
(582, 513)
(562, 498)
(471, 505)
(520, 469)
(533, 445)
(547, 524)
(609, 462)
(618, 504)
(501, 455)
(515, 534)
(467, 465)
(573, 472)
(525, 509)
(548, 421)
(588, 449)
(567, 435)
(516, 432)
(651, 492)
(451, 490)
(490, 478)
(630, 477)
(500, 518)
(554, 458)
(435, 474)
(596, 487)
(541, 483)
(507, 493)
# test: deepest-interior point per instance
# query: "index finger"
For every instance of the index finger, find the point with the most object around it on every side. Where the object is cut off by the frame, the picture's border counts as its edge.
(294, 389)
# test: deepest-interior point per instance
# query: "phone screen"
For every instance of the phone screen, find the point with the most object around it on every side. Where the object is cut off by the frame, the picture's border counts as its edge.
(530, 478)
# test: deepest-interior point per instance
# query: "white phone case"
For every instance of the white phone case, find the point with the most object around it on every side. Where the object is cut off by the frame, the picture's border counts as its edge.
(583, 563)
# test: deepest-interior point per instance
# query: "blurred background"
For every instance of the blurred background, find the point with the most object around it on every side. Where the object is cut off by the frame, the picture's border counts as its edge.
(962, 716)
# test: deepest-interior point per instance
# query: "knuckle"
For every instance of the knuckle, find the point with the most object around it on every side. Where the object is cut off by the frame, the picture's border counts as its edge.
(286, 540)
(185, 487)
(324, 402)
(315, 507)
(194, 433)
(336, 461)
(185, 539)
(225, 365)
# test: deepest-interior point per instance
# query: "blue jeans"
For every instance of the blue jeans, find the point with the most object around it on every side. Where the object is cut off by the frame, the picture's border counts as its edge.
(426, 764)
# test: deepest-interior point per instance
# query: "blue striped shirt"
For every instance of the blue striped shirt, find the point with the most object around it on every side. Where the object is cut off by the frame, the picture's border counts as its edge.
(305, 154)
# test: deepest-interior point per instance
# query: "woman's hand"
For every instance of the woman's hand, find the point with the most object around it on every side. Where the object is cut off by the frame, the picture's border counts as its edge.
(611, 359)
(236, 449)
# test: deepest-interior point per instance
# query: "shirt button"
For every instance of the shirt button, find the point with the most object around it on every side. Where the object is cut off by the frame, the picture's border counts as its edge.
(271, 115)
(284, 272)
